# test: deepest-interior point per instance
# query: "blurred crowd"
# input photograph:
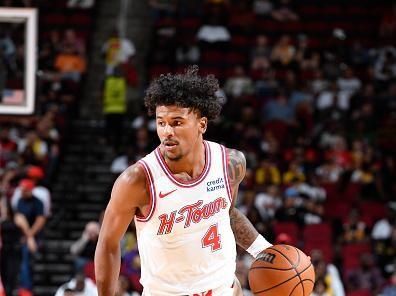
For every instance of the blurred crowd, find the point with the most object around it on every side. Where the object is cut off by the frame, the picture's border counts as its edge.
(313, 109)
(31, 146)
(309, 97)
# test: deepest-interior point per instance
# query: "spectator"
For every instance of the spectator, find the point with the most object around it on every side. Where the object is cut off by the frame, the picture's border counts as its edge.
(187, 52)
(327, 275)
(318, 84)
(294, 172)
(80, 284)
(283, 53)
(329, 171)
(123, 286)
(10, 251)
(131, 267)
(367, 276)
(348, 85)
(260, 54)
(32, 148)
(267, 173)
(385, 65)
(262, 8)
(69, 64)
(279, 109)
(117, 50)
(36, 174)
(384, 242)
(320, 288)
(114, 107)
(284, 11)
(84, 248)
(390, 287)
(307, 58)
(8, 148)
(71, 40)
(268, 202)
(30, 218)
(354, 229)
(239, 84)
(123, 161)
(213, 34)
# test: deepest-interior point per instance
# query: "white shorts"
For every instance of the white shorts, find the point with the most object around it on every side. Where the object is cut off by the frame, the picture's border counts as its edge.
(235, 290)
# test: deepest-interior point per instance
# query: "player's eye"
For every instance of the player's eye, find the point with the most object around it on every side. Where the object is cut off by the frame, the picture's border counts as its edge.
(161, 123)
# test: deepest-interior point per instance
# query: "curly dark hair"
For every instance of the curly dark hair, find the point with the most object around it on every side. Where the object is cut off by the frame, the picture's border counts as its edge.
(187, 90)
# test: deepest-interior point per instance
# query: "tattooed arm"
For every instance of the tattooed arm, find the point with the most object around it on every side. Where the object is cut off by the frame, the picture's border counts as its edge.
(244, 232)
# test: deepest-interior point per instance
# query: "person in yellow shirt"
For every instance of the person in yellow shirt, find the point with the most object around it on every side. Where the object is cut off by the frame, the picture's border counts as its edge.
(293, 173)
(267, 173)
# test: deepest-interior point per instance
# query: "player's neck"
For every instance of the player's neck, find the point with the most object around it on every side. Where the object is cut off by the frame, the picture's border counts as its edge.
(191, 164)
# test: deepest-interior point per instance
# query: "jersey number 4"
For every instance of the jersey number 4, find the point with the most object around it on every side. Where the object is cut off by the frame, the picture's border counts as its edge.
(212, 238)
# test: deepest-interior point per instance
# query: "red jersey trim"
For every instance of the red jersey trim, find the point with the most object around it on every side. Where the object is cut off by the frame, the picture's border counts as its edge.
(226, 177)
(151, 189)
(190, 183)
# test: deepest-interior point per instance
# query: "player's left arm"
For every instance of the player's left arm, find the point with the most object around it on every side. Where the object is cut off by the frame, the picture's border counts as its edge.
(246, 235)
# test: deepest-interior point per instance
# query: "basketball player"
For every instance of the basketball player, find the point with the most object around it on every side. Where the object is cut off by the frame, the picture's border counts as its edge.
(182, 198)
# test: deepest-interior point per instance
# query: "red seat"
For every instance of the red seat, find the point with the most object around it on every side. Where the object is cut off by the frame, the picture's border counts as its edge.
(326, 248)
(54, 19)
(331, 190)
(289, 228)
(207, 70)
(337, 209)
(352, 192)
(80, 19)
(319, 236)
(189, 23)
(351, 254)
(372, 211)
(212, 56)
(321, 232)
(156, 70)
(278, 128)
(359, 293)
(233, 58)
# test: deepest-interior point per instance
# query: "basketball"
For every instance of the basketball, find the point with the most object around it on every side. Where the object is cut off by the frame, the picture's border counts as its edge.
(282, 270)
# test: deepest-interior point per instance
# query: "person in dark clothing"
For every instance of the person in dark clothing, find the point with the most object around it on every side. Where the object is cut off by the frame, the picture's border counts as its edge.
(10, 251)
(30, 218)
(84, 248)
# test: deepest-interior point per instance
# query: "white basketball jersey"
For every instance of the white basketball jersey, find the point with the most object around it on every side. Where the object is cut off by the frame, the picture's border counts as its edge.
(186, 243)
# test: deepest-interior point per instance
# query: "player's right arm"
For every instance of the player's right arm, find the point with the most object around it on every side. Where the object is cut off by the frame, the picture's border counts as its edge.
(129, 194)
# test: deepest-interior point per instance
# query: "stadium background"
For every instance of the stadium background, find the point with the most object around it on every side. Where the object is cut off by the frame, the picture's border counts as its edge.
(310, 97)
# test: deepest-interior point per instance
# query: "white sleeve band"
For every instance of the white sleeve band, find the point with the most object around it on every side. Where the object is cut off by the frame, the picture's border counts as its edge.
(259, 245)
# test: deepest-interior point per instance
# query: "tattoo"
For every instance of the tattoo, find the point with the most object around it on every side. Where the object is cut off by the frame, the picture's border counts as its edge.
(244, 231)
(236, 166)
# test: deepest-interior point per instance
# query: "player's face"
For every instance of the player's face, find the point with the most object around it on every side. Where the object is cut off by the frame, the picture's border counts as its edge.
(179, 130)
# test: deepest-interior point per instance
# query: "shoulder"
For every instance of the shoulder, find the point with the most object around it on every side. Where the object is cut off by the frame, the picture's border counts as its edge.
(133, 176)
(130, 187)
(236, 165)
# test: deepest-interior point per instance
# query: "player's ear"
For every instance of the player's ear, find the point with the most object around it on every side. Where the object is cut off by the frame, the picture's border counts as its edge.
(203, 124)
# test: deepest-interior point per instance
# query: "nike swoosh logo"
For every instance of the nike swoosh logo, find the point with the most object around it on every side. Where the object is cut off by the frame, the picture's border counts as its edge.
(162, 195)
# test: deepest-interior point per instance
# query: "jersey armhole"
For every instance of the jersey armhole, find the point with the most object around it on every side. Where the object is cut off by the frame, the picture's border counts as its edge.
(225, 171)
(151, 189)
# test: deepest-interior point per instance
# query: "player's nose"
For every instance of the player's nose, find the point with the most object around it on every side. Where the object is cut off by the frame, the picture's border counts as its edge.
(168, 130)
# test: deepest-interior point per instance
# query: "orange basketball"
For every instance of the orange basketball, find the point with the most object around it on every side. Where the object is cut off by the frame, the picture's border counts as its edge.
(282, 270)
